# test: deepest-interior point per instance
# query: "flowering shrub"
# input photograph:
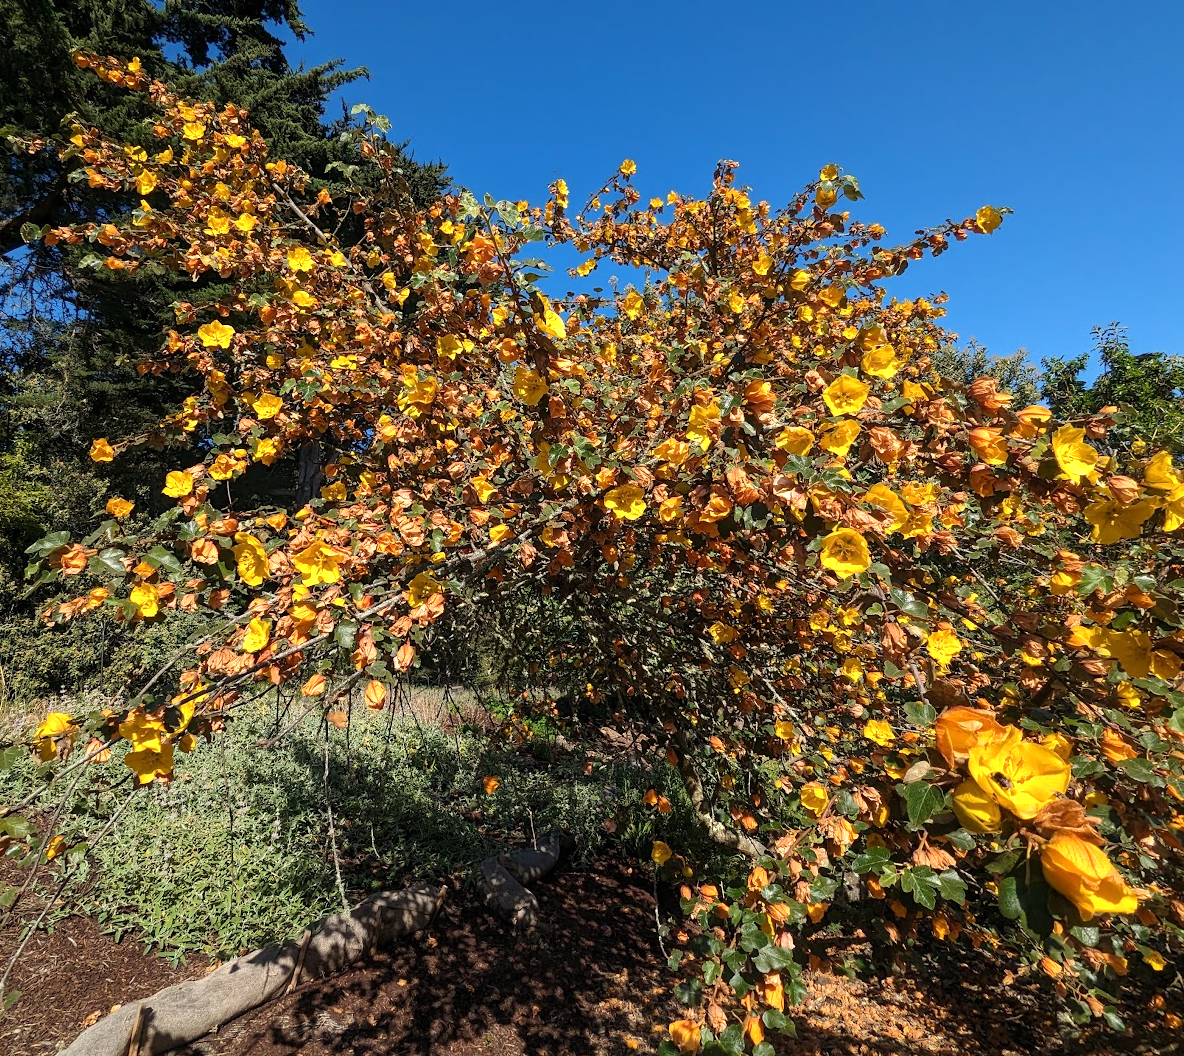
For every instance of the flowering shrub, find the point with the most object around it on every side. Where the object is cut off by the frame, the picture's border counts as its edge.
(903, 642)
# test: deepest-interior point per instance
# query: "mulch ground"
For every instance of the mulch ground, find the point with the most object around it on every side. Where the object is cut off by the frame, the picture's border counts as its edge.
(595, 984)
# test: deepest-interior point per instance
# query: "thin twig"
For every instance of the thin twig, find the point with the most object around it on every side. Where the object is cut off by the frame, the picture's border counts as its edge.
(333, 831)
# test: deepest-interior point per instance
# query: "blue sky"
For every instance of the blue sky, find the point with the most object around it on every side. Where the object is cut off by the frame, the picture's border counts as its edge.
(1070, 114)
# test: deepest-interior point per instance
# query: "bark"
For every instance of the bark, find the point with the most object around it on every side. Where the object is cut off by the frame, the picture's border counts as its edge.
(727, 837)
(311, 477)
(503, 880)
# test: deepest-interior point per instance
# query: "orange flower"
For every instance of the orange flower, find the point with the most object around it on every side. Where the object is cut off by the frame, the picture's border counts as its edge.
(959, 729)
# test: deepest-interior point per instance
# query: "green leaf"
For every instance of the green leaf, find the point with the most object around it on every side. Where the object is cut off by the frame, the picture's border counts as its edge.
(774, 1020)
(873, 858)
(49, 543)
(951, 886)
(1114, 1021)
(346, 635)
(1009, 899)
(772, 959)
(1141, 770)
(9, 757)
(919, 713)
(1094, 577)
(922, 800)
(1005, 862)
(159, 557)
(16, 827)
(961, 839)
(690, 992)
(732, 1039)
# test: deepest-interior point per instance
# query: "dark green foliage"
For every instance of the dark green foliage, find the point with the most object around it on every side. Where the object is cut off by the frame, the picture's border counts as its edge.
(1148, 388)
(70, 338)
(1014, 373)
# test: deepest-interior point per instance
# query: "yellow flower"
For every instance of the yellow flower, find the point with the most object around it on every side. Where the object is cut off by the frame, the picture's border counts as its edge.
(252, 560)
(299, 259)
(634, 304)
(1112, 521)
(845, 395)
(626, 502)
(783, 729)
(1075, 457)
(1160, 475)
(882, 496)
(975, 809)
(1017, 774)
(814, 798)
(215, 334)
(317, 563)
(150, 765)
(1059, 743)
(704, 420)
(56, 724)
(146, 600)
(673, 451)
(988, 218)
(1086, 877)
(267, 450)
(838, 439)
(193, 130)
(943, 645)
(483, 488)
(879, 732)
(267, 406)
(628, 167)
(146, 182)
(178, 484)
(852, 669)
(845, 553)
(418, 393)
(661, 852)
(499, 533)
(880, 362)
(101, 451)
(529, 387)
(550, 322)
(223, 467)
(257, 636)
(795, 440)
(119, 508)
(421, 588)
(1173, 509)
(217, 221)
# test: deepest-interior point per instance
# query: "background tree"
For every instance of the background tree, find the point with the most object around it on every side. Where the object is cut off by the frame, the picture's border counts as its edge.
(1148, 388)
(1013, 372)
(73, 333)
